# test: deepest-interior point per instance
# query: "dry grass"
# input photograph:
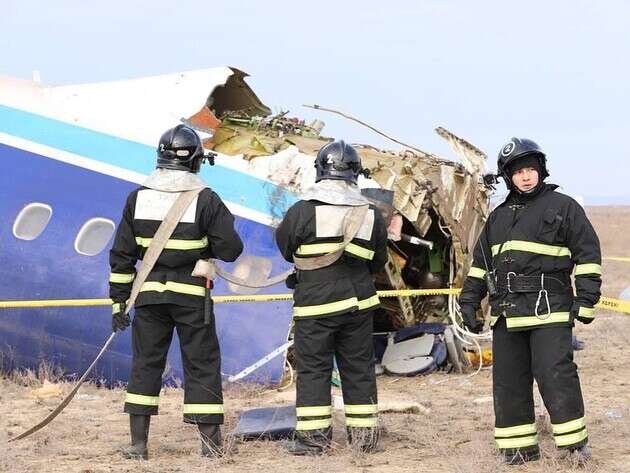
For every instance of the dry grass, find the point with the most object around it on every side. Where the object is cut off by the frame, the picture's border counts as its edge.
(456, 437)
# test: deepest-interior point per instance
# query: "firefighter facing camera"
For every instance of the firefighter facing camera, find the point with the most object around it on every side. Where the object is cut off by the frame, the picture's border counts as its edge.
(171, 298)
(523, 260)
(337, 240)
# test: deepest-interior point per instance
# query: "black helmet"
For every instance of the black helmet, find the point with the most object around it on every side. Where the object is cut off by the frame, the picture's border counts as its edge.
(338, 160)
(516, 149)
(180, 149)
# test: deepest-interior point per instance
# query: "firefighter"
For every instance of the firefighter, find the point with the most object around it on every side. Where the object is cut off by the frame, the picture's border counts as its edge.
(523, 259)
(333, 305)
(171, 298)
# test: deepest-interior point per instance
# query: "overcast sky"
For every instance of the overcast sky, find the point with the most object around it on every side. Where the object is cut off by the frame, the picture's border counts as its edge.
(556, 72)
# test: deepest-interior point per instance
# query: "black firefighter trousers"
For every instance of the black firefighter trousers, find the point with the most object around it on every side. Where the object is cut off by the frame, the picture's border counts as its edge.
(546, 355)
(152, 332)
(347, 337)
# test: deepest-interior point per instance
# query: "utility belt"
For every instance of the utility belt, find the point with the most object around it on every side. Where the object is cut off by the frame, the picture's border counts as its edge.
(541, 283)
(550, 282)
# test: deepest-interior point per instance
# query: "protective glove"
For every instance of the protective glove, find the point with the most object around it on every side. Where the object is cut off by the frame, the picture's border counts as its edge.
(575, 310)
(120, 320)
(469, 316)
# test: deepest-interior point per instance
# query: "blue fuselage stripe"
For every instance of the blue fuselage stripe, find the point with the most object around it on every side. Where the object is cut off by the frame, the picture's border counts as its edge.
(231, 185)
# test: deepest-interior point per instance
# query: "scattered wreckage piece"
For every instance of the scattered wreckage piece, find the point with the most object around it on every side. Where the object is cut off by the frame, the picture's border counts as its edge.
(439, 205)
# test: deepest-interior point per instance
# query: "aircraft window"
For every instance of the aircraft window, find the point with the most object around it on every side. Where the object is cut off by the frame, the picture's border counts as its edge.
(94, 236)
(31, 221)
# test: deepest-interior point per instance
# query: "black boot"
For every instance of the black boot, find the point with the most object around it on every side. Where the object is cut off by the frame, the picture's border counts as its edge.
(211, 443)
(313, 443)
(580, 456)
(520, 456)
(364, 439)
(139, 428)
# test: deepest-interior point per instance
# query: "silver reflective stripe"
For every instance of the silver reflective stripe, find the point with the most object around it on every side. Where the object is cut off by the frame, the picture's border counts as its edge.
(588, 268)
(203, 409)
(121, 278)
(586, 312)
(476, 272)
(531, 247)
(171, 286)
(532, 320)
(142, 400)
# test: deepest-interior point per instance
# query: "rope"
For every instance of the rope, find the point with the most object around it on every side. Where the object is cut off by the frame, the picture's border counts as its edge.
(605, 303)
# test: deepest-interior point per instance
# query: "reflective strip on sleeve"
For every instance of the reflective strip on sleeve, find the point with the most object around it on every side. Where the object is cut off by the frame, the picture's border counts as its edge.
(182, 288)
(570, 439)
(313, 424)
(361, 421)
(570, 426)
(142, 400)
(313, 411)
(588, 268)
(369, 302)
(493, 320)
(203, 409)
(322, 309)
(532, 320)
(515, 431)
(476, 272)
(586, 312)
(361, 408)
(115, 308)
(176, 244)
(517, 442)
(531, 247)
(121, 278)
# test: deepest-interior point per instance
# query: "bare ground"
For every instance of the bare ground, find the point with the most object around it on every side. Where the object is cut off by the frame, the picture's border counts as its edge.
(455, 437)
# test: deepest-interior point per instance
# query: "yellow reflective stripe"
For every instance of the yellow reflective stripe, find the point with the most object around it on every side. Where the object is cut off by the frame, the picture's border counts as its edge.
(176, 244)
(532, 320)
(317, 248)
(203, 409)
(313, 424)
(359, 251)
(588, 268)
(570, 439)
(476, 272)
(310, 310)
(313, 411)
(361, 408)
(586, 312)
(518, 442)
(321, 248)
(369, 302)
(182, 288)
(531, 247)
(515, 431)
(121, 278)
(142, 399)
(115, 308)
(570, 426)
(493, 320)
(361, 421)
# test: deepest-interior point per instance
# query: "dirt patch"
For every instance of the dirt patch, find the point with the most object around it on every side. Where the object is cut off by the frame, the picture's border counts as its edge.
(455, 437)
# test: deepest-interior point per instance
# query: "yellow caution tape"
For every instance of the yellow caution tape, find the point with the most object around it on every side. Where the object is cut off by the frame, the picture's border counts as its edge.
(617, 258)
(605, 303)
(615, 305)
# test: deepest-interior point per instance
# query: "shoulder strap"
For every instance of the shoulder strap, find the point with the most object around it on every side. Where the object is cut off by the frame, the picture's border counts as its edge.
(164, 232)
(351, 224)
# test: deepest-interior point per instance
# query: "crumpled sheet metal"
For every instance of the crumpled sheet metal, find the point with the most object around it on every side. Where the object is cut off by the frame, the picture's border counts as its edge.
(421, 182)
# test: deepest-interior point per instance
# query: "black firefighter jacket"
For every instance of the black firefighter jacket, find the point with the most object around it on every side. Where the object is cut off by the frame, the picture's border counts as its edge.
(311, 228)
(533, 245)
(205, 231)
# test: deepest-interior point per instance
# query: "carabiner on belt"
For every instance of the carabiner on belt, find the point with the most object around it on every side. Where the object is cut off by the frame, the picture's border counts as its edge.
(542, 292)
